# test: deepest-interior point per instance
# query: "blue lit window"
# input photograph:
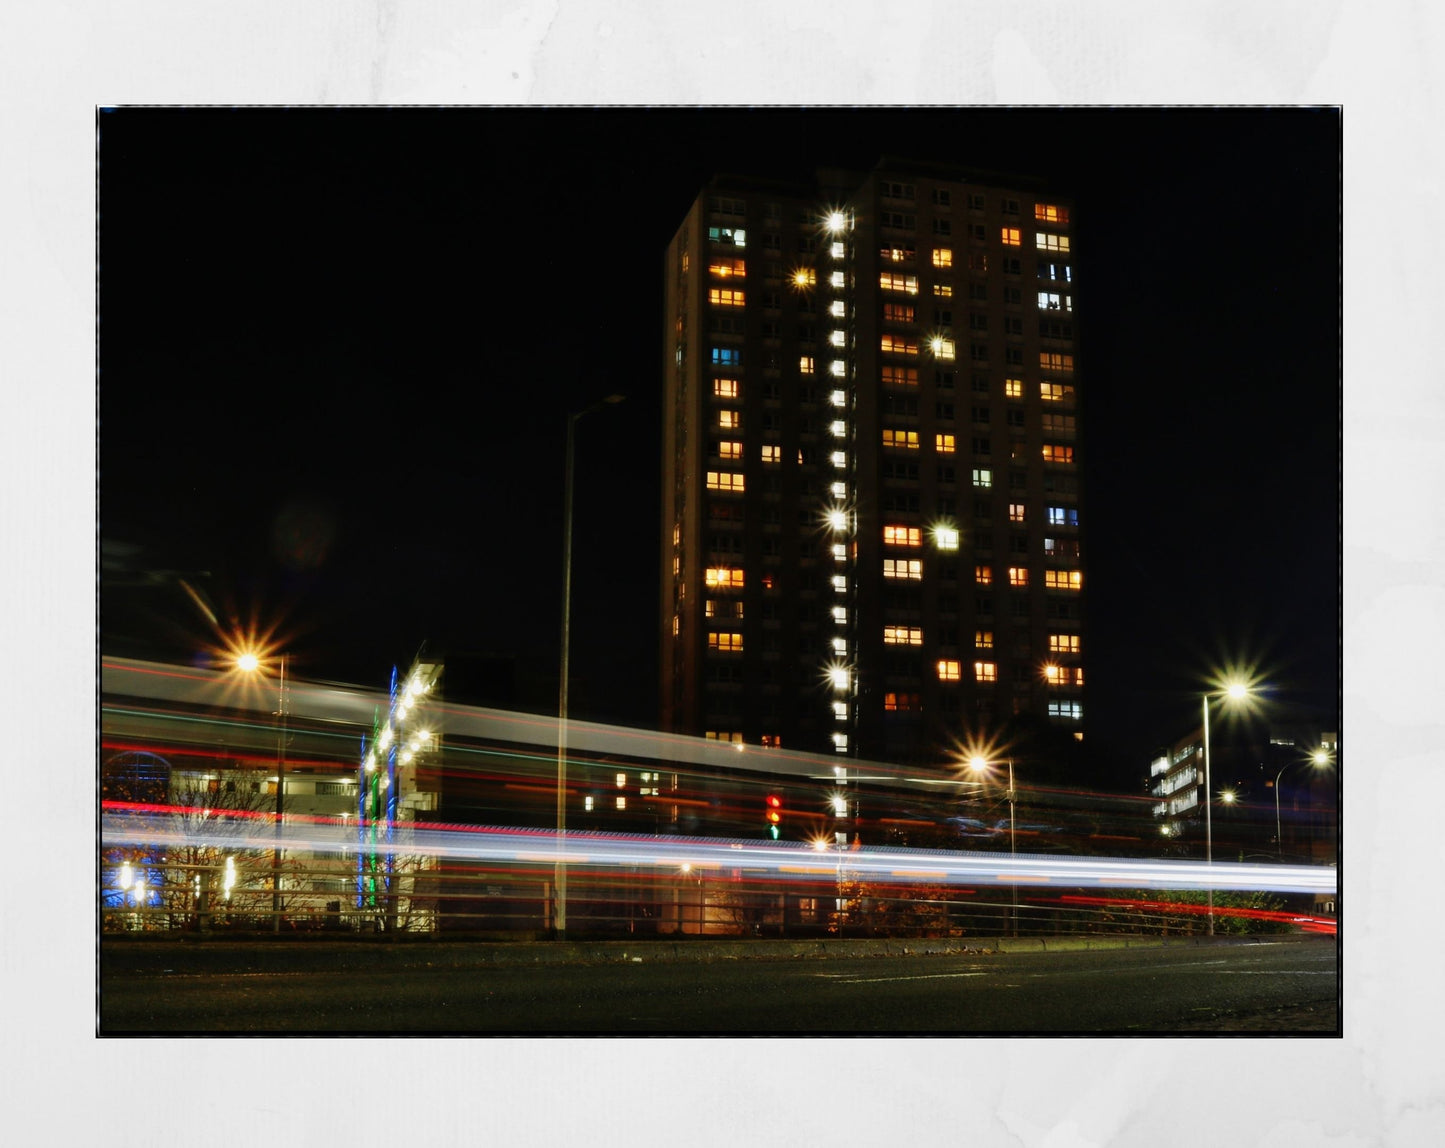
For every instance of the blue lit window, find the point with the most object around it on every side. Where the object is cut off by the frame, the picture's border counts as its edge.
(734, 235)
(726, 357)
(1063, 516)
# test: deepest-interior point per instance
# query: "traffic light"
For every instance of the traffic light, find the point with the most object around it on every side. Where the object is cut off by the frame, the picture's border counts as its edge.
(774, 815)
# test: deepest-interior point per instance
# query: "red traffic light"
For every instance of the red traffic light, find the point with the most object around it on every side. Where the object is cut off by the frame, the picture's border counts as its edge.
(775, 808)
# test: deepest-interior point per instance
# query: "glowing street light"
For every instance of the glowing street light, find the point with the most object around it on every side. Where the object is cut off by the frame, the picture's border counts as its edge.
(248, 661)
(980, 764)
(1234, 691)
(1317, 760)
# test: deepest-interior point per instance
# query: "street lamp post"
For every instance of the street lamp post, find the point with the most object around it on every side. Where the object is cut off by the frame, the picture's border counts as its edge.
(250, 663)
(1317, 759)
(559, 880)
(1236, 690)
(979, 765)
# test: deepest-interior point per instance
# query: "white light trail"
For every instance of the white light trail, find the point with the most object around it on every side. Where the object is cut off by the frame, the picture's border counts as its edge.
(538, 846)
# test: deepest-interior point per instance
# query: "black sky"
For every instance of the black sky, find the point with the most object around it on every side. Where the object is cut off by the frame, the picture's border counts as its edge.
(338, 349)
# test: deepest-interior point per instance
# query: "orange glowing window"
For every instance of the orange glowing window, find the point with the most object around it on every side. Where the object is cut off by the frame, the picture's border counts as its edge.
(725, 480)
(1055, 361)
(1056, 392)
(726, 643)
(1011, 236)
(805, 365)
(903, 702)
(1016, 511)
(772, 454)
(730, 450)
(897, 345)
(983, 575)
(944, 443)
(1018, 576)
(1064, 579)
(1056, 453)
(902, 536)
(902, 636)
(1013, 388)
(1050, 213)
(1064, 643)
(723, 578)
(985, 671)
(942, 257)
(949, 671)
(908, 284)
(725, 388)
(904, 439)
(725, 297)
(728, 268)
(983, 639)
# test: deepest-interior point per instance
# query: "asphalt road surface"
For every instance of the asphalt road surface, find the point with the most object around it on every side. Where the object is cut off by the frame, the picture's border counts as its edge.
(1256, 986)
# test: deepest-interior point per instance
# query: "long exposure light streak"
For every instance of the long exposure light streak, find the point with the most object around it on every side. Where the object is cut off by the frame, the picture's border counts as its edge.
(123, 824)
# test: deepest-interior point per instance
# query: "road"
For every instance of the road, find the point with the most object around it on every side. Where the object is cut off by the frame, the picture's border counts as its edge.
(1277, 984)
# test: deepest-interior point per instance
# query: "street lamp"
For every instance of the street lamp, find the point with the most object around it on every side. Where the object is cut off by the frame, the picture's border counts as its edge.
(250, 663)
(559, 912)
(1317, 760)
(980, 765)
(1233, 692)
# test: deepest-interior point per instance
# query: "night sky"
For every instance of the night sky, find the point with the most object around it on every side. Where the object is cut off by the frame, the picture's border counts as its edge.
(338, 349)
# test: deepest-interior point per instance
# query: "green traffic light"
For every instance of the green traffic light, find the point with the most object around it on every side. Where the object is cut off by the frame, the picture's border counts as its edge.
(773, 832)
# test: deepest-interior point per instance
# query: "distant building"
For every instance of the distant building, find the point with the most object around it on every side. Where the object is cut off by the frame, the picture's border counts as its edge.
(871, 506)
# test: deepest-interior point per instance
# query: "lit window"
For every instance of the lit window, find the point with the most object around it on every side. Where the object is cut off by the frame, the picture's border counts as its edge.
(724, 480)
(949, 671)
(1063, 516)
(942, 348)
(723, 578)
(837, 368)
(805, 365)
(805, 277)
(1056, 392)
(837, 338)
(773, 740)
(772, 454)
(622, 781)
(945, 538)
(1073, 711)
(728, 643)
(902, 536)
(942, 257)
(902, 636)
(899, 376)
(1055, 453)
(725, 388)
(1049, 213)
(983, 575)
(901, 702)
(944, 443)
(888, 281)
(1011, 236)
(908, 440)
(1063, 643)
(910, 568)
(898, 312)
(1018, 576)
(730, 420)
(985, 671)
(982, 477)
(715, 608)
(1054, 301)
(730, 450)
(728, 268)
(723, 735)
(622, 803)
(726, 357)
(837, 279)
(983, 639)
(943, 290)
(897, 345)
(736, 236)
(725, 297)
(1048, 241)
(1064, 579)
(587, 803)
(1055, 361)
(1015, 511)
(1013, 388)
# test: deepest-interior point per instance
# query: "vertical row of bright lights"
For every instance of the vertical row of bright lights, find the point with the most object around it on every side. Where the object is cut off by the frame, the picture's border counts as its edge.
(840, 515)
